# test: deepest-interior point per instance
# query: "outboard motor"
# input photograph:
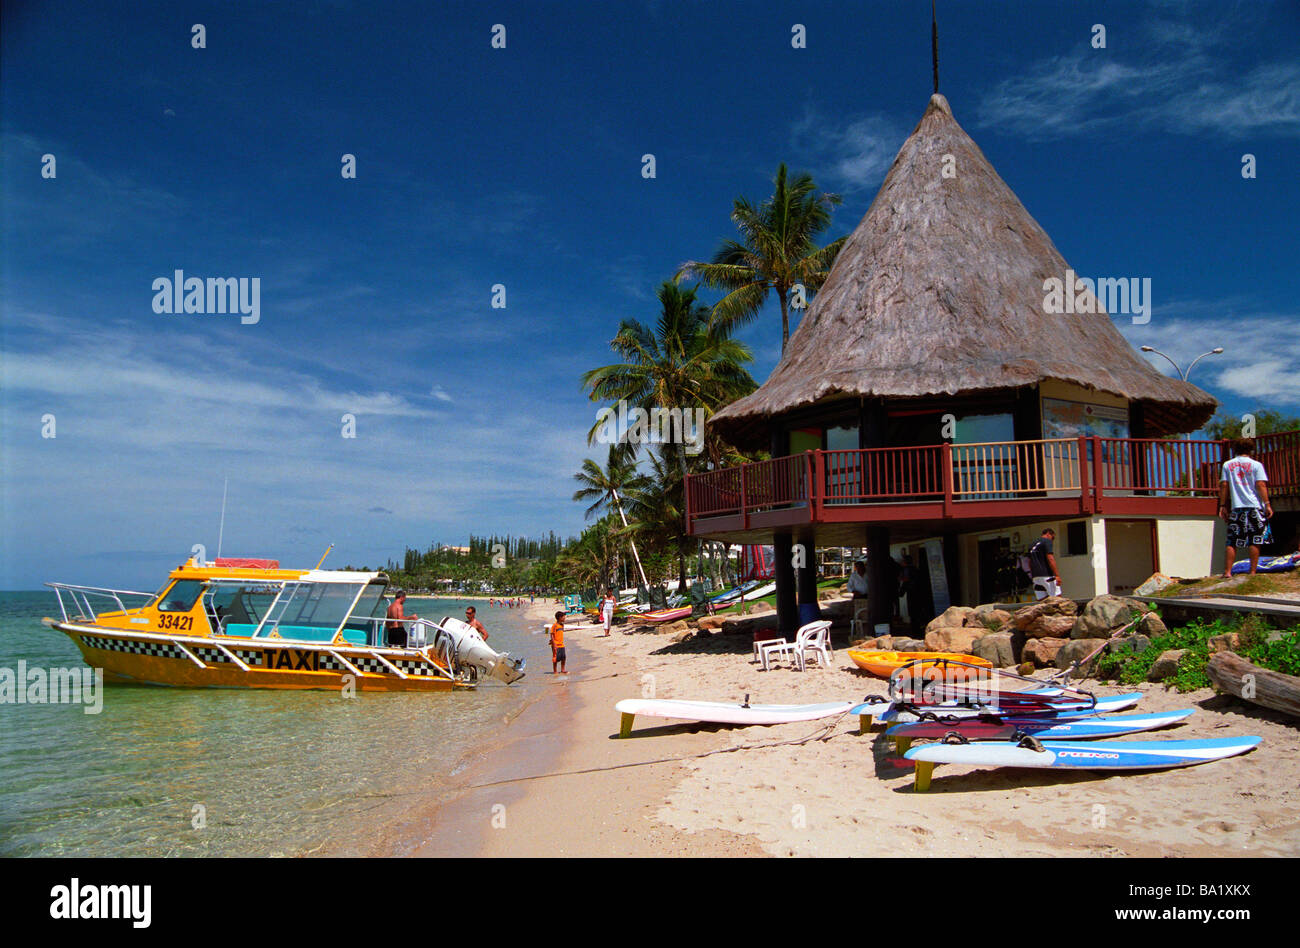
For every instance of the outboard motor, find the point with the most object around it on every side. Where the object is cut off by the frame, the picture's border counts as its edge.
(468, 648)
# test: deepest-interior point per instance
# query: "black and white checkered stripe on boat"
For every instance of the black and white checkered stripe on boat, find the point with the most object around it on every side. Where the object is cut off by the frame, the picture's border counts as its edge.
(208, 654)
(375, 667)
(134, 646)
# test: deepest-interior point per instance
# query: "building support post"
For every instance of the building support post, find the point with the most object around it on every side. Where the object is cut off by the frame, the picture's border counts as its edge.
(880, 598)
(787, 608)
(806, 582)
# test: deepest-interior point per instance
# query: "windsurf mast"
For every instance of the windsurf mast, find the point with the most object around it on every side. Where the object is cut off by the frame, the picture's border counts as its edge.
(221, 532)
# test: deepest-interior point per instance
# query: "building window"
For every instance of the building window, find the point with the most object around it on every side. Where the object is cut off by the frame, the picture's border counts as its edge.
(1076, 538)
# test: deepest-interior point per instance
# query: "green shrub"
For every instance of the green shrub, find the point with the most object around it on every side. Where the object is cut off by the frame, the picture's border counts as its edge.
(1282, 655)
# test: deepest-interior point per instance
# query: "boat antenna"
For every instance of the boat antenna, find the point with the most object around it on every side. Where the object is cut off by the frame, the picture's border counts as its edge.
(934, 45)
(325, 554)
(222, 531)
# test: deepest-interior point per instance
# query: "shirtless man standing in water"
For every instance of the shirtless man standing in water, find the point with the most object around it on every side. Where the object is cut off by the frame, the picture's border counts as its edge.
(474, 624)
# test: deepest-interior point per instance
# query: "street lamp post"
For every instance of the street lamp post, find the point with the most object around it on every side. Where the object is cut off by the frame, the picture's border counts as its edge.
(1215, 351)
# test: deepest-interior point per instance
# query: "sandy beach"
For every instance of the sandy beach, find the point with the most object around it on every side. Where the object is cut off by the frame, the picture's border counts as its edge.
(562, 783)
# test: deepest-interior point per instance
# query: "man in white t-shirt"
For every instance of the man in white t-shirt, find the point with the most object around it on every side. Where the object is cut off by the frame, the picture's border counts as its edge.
(1243, 503)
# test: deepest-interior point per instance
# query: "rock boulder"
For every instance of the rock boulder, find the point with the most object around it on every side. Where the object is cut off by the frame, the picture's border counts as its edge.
(1166, 664)
(953, 639)
(1078, 649)
(996, 647)
(1104, 615)
(1042, 652)
(952, 617)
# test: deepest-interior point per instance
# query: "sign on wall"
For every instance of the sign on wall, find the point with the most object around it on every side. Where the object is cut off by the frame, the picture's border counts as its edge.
(938, 575)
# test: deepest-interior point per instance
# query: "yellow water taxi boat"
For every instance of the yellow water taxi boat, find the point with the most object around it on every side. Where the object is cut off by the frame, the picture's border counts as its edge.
(250, 624)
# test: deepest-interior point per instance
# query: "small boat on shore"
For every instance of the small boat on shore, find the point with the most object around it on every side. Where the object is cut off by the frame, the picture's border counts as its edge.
(250, 624)
(885, 664)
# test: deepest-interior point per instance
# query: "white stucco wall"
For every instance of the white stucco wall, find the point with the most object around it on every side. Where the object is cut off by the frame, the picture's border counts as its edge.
(1191, 546)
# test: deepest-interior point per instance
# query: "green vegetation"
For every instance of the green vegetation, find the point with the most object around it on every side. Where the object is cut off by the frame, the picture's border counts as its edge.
(1267, 421)
(1282, 654)
(777, 252)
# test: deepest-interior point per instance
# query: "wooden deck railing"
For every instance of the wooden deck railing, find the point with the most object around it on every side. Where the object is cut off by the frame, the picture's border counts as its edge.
(1087, 468)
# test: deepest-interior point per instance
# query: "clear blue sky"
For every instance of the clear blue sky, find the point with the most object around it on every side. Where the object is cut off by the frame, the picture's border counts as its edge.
(522, 166)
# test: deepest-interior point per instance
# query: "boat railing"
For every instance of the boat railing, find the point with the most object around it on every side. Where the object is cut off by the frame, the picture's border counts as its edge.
(82, 606)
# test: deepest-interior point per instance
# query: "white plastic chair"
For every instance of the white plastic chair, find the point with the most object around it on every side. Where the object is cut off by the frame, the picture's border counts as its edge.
(817, 642)
(794, 650)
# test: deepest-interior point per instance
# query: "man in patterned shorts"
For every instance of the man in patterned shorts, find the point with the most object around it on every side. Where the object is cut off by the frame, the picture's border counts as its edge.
(1243, 503)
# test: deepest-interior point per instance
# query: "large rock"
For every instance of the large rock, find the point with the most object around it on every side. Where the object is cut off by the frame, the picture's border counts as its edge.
(996, 647)
(747, 625)
(1154, 584)
(952, 617)
(1104, 615)
(1051, 606)
(672, 628)
(683, 635)
(1152, 625)
(1227, 642)
(953, 639)
(1130, 644)
(1078, 649)
(711, 622)
(1042, 652)
(1166, 664)
(908, 645)
(1049, 627)
(995, 620)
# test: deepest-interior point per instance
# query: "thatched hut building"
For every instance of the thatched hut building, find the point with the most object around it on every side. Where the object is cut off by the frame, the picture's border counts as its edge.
(939, 400)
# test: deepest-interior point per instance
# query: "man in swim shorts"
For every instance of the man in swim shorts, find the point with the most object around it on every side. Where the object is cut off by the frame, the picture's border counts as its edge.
(1243, 503)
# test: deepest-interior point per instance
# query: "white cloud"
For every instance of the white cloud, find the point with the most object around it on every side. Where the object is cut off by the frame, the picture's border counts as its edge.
(849, 156)
(1261, 358)
(1183, 80)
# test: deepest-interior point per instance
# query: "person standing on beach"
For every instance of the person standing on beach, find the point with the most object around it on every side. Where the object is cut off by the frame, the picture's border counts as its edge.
(473, 623)
(396, 629)
(556, 632)
(607, 611)
(1042, 566)
(1244, 504)
(858, 579)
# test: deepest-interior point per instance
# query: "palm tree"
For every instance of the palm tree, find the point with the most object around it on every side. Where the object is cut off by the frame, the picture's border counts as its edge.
(603, 485)
(777, 250)
(680, 362)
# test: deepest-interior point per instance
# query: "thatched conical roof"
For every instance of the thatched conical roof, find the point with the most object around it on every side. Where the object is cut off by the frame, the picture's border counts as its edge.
(940, 290)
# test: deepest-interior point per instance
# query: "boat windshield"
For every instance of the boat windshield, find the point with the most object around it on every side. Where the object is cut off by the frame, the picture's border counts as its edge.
(181, 597)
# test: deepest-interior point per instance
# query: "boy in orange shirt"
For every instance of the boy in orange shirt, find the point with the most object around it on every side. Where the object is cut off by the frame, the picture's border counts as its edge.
(557, 643)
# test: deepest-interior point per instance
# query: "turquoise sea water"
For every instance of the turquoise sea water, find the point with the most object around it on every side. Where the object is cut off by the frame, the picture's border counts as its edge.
(275, 772)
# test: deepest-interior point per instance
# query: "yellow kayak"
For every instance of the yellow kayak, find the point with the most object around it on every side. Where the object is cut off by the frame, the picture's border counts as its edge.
(885, 664)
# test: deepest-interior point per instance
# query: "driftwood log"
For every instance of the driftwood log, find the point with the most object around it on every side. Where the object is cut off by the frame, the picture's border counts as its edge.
(1232, 673)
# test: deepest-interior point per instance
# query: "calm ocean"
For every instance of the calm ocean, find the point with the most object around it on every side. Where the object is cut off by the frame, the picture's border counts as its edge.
(274, 772)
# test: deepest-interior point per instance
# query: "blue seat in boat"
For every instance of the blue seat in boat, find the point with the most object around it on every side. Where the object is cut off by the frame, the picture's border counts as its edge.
(300, 633)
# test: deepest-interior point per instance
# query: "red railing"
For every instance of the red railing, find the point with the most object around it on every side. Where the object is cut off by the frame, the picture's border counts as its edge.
(1155, 467)
(1280, 455)
(1087, 468)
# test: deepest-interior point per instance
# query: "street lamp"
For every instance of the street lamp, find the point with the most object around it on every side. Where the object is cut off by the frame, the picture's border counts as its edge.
(1215, 351)
(1182, 374)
